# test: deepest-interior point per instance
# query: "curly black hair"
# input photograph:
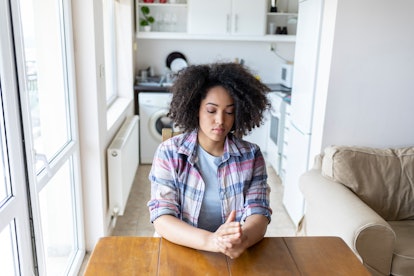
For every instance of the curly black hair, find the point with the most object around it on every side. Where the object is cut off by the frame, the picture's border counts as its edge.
(193, 83)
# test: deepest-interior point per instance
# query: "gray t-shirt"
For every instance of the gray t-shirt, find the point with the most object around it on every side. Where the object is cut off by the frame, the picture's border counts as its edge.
(210, 213)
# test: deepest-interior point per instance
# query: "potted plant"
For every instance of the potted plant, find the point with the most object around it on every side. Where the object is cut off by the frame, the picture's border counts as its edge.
(147, 18)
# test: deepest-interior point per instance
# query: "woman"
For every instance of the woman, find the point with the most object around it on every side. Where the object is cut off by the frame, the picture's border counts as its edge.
(208, 186)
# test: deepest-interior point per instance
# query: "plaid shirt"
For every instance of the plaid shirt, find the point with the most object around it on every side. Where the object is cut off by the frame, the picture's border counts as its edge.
(177, 187)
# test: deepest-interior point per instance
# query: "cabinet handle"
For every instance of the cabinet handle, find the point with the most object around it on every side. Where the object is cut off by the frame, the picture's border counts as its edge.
(228, 23)
(236, 22)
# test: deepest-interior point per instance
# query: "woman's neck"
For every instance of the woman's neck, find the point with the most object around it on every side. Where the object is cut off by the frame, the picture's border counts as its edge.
(215, 148)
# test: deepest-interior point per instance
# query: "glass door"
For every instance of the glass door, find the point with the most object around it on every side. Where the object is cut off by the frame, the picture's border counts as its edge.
(16, 248)
(41, 62)
(15, 241)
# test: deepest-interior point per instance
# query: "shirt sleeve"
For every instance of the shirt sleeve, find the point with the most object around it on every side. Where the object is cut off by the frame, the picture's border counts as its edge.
(257, 197)
(164, 194)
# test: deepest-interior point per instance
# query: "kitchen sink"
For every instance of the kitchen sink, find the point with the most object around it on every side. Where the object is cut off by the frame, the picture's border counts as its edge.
(156, 81)
(151, 83)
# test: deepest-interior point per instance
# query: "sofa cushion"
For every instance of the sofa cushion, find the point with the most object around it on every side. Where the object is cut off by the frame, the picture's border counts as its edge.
(382, 178)
(403, 255)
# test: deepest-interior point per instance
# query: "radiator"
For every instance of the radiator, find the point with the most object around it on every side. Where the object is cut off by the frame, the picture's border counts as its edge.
(123, 161)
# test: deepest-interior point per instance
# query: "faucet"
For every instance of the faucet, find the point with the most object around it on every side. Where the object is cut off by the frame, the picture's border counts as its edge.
(166, 78)
(161, 80)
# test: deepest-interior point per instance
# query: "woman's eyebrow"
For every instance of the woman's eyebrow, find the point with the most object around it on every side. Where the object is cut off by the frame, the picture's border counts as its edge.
(218, 105)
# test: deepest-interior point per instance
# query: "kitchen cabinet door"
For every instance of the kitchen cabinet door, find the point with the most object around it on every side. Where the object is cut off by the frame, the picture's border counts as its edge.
(248, 17)
(209, 17)
(227, 17)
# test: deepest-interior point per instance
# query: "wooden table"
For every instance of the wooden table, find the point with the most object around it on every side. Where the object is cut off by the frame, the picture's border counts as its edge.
(271, 256)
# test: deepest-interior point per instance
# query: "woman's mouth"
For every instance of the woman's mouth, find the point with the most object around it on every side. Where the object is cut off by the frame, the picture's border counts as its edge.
(218, 130)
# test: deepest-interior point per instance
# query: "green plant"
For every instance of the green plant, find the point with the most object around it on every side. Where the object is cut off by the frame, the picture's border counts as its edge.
(147, 18)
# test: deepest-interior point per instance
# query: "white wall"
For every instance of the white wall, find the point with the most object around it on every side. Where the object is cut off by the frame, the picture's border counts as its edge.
(257, 55)
(94, 132)
(91, 108)
(369, 89)
(363, 91)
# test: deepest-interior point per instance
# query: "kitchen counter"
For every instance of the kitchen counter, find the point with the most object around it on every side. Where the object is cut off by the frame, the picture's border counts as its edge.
(274, 87)
(156, 88)
(277, 87)
(152, 84)
(149, 88)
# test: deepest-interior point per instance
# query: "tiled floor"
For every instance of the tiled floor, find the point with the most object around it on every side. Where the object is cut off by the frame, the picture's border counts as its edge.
(135, 221)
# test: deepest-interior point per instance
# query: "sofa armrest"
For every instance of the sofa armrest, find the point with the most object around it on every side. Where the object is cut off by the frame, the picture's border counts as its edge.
(334, 210)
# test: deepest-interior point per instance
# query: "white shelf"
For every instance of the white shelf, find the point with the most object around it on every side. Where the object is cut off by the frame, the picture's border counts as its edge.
(166, 5)
(186, 36)
(281, 14)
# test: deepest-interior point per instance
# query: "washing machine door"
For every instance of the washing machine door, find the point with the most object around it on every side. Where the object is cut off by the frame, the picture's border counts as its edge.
(157, 122)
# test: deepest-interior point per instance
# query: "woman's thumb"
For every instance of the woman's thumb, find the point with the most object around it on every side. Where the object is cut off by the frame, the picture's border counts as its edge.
(231, 217)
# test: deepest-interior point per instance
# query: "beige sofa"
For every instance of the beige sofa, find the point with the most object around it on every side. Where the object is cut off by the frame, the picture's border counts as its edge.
(366, 197)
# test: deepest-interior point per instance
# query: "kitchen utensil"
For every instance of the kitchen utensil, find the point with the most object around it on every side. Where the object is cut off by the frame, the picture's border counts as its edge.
(178, 64)
(176, 55)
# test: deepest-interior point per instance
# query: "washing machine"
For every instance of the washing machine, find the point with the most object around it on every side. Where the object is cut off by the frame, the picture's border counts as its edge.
(153, 109)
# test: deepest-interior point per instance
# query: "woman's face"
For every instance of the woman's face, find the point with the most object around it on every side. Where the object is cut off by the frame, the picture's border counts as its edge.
(216, 116)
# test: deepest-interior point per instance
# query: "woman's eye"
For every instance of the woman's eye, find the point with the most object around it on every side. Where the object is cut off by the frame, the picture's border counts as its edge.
(210, 111)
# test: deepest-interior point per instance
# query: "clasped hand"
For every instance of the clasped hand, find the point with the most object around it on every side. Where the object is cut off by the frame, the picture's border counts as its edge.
(229, 238)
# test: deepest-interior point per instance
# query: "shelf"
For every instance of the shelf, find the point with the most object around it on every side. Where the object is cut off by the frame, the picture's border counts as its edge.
(281, 14)
(167, 16)
(166, 5)
(186, 36)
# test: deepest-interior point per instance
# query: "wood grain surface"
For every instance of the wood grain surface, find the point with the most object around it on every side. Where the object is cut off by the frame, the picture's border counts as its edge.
(271, 256)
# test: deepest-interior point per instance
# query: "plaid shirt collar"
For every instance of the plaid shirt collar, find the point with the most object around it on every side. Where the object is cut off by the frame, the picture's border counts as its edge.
(189, 146)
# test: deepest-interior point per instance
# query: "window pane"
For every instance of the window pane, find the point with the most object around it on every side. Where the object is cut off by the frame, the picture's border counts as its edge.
(58, 228)
(110, 50)
(8, 260)
(45, 75)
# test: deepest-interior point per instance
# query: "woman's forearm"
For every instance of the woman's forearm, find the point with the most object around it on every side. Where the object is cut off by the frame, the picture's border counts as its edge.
(254, 229)
(179, 232)
(225, 239)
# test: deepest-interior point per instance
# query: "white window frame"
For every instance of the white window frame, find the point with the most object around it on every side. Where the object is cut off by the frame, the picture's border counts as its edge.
(110, 38)
(71, 152)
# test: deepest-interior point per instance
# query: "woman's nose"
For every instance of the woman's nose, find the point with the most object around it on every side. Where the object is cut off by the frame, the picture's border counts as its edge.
(219, 118)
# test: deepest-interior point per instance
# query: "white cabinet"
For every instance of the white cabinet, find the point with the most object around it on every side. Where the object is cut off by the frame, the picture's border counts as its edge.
(227, 17)
(244, 20)
(285, 147)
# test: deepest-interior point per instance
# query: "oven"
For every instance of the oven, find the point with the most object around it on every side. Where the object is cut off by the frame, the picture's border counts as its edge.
(275, 142)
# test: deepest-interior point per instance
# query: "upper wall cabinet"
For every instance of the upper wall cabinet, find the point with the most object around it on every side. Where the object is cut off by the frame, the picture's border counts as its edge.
(227, 17)
(248, 20)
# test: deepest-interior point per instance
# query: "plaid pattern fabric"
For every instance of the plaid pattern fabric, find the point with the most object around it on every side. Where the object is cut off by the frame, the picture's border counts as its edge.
(177, 187)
